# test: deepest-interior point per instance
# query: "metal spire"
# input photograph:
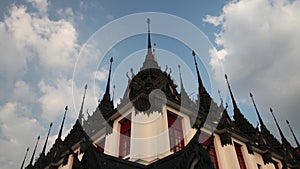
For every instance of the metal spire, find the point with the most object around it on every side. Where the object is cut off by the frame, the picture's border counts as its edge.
(108, 81)
(45, 145)
(62, 124)
(150, 60)
(32, 157)
(24, 158)
(283, 139)
(231, 94)
(149, 37)
(293, 133)
(262, 125)
(198, 74)
(80, 115)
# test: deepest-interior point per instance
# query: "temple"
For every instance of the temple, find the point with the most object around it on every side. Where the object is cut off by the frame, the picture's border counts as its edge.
(157, 126)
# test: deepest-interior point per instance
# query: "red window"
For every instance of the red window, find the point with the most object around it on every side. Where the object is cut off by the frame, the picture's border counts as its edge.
(125, 138)
(175, 132)
(100, 145)
(238, 149)
(205, 140)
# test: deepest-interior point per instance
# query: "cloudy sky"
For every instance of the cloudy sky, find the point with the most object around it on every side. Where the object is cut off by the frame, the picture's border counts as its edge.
(256, 43)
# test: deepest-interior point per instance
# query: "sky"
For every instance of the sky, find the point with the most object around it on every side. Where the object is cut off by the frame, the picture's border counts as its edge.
(51, 49)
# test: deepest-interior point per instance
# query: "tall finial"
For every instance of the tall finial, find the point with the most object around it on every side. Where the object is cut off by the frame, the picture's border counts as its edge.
(45, 145)
(24, 157)
(283, 139)
(198, 74)
(262, 125)
(149, 40)
(80, 115)
(62, 124)
(108, 81)
(231, 94)
(293, 134)
(32, 157)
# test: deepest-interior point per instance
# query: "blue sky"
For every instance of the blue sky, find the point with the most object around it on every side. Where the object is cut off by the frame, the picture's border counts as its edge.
(51, 49)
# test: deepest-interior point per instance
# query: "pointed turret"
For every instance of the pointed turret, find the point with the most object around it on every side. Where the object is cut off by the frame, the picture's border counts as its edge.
(45, 145)
(204, 101)
(32, 157)
(107, 90)
(106, 104)
(203, 96)
(80, 115)
(200, 84)
(24, 158)
(62, 123)
(239, 120)
(288, 123)
(283, 139)
(263, 127)
(232, 98)
(150, 61)
(285, 143)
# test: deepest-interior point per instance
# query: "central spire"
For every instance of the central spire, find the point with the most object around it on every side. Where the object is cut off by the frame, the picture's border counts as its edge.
(149, 37)
(150, 61)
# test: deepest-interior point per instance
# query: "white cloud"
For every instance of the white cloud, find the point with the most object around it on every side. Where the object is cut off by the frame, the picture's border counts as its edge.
(19, 132)
(101, 74)
(215, 20)
(261, 39)
(34, 45)
(23, 92)
(56, 96)
(41, 5)
(66, 13)
(54, 43)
